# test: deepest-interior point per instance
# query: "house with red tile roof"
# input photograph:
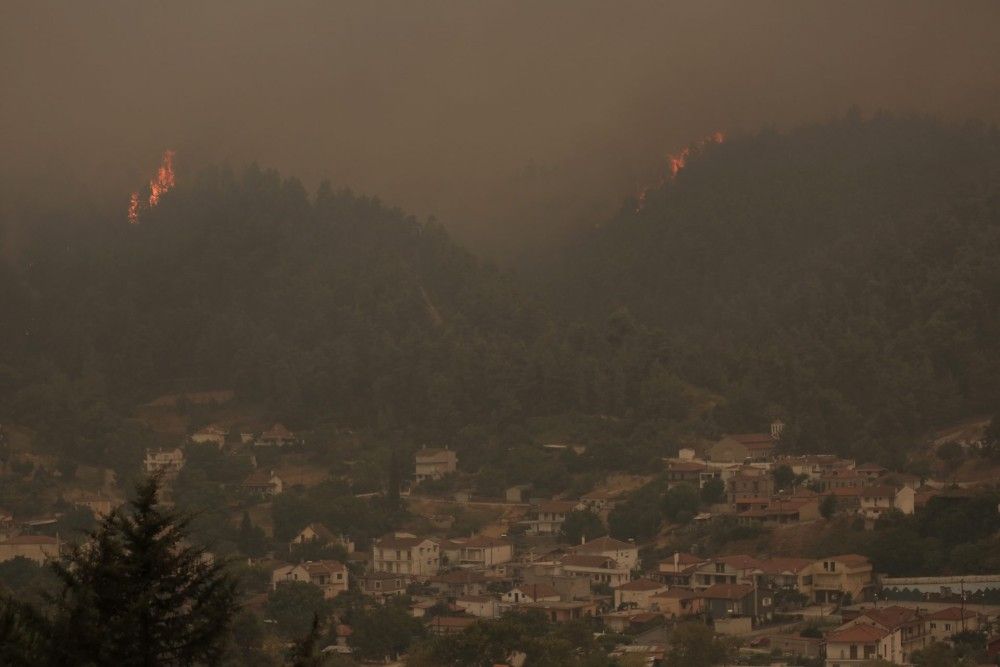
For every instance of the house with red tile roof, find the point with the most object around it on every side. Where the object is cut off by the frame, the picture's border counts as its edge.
(945, 623)
(860, 644)
(626, 554)
(38, 548)
(677, 601)
(637, 594)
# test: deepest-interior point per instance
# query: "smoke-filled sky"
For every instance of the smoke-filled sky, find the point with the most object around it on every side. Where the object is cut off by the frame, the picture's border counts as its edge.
(494, 116)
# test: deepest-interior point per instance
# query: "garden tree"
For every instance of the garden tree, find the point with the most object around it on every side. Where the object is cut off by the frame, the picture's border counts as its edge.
(713, 491)
(24, 641)
(485, 644)
(251, 539)
(640, 515)
(293, 605)
(582, 525)
(246, 641)
(828, 506)
(940, 654)
(680, 503)
(138, 594)
(384, 632)
(694, 644)
(784, 477)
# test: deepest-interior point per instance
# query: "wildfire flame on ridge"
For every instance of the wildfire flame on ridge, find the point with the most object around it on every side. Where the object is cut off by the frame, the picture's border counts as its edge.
(163, 182)
(676, 163)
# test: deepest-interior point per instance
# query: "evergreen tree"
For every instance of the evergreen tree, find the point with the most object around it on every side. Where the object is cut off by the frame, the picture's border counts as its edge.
(138, 594)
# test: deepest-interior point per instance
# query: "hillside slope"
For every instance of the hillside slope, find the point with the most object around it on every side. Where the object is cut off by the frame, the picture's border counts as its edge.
(845, 276)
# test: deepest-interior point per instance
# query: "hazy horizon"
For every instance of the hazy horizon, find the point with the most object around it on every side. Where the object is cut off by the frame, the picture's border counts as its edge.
(502, 120)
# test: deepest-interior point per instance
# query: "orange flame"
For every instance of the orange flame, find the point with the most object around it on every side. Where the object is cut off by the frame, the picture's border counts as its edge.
(676, 163)
(163, 182)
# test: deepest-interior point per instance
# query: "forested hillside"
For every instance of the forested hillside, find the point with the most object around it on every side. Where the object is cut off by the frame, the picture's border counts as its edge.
(844, 276)
(326, 308)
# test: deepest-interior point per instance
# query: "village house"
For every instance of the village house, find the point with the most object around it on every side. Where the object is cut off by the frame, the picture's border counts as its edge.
(783, 573)
(625, 554)
(317, 533)
(213, 434)
(276, 436)
(744, 447)
(561, 612)
(524, 593)
(458, 583)
(381, 585)
(877, 500)
(637, 594)
(813, 466)
(403, 553)
(600, 501)
(484, 552)
(724, 600)
(840, 478)
(905, 626)
(724, 570)
(871, 471)
(37, 548)
(517, 493)
(677, 602)
(794, 645)
(434, 463)
(835, 577)
(567, 586)
(597, 569)
(550, 516)
(861, 644)
(685, 472)
(330, 576)
(942, 625)
(777, 510)
(480, 606)
(679, 569)
(750, 482)
(262, 484)
(165, 462)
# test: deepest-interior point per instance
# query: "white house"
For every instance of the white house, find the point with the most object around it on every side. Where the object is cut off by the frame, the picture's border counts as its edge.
(434, 463)
(626, 554)
(329, 576)
(524, 593)
(212, 434)
(166, 462)
(403, 553)
(637, 594)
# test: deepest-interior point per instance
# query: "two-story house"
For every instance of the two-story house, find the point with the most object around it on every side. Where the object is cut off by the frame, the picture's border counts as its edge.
(329, 576)
(724, 570)
(835, 577)
(859, 645)
(727, 600)
(434, 463)
(549, 516)
(276, 436)
(263, 484)
(626, 554)
(597, 569)
(637, 594)
(407, 554)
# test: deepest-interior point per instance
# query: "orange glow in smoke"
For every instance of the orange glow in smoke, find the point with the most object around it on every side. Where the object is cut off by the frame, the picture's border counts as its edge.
(163, 182)
(676, 163)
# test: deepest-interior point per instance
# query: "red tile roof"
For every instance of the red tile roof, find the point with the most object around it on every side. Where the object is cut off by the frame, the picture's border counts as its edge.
(862, 633)
(952, 614)
(727, 592)
(640, 585)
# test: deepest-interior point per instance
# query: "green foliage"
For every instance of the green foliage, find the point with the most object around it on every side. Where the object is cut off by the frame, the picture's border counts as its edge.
(640, 516)
(695, 645)
(136, 594)
(828, 506)
(580, 525)
(841, 271)
(680, 504)
(384, 632)
(292, 606)
(714, 491)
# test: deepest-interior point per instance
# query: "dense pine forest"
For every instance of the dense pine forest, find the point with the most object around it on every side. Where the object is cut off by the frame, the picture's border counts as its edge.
(844, 277)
